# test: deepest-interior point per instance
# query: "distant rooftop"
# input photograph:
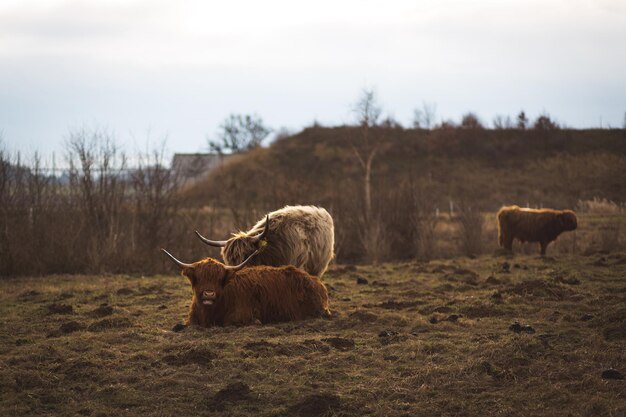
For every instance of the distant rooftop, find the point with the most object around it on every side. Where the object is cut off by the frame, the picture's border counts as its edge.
(192, 167)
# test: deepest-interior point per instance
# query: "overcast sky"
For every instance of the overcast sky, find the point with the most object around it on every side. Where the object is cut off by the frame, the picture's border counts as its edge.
(147, 68)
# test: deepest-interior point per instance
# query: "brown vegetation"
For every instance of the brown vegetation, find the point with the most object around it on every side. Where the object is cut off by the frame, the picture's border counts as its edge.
(109, 217)
(421, 339)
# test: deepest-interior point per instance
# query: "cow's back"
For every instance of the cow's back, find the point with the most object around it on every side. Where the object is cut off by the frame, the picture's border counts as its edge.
(302, 236)
(277, 294)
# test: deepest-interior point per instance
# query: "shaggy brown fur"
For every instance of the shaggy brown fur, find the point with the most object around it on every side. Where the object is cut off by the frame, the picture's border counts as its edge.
(255, 294)
(302, 236)
(529, 225)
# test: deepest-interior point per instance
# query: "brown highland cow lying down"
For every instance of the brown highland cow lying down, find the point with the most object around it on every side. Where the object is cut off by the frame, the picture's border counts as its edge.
(529, 225)
(230, 295)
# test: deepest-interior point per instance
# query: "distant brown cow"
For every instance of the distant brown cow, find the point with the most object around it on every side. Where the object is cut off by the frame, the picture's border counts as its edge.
(529, 225)
(229, 295)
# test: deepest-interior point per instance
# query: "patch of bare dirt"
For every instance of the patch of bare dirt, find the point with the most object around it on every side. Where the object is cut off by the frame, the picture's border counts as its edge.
(395, 305)
(340, 343)
(57, 308)
(232, 393)
(316, 405)
(264, 348)
(110, 323)
(463, 275)
(364, 316)
(66, 328)
(125, 291)
(102, 310)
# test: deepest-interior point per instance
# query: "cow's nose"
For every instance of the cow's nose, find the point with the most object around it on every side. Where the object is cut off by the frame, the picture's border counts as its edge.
(208, 294)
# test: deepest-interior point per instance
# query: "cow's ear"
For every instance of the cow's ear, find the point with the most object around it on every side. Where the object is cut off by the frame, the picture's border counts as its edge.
(190, 273)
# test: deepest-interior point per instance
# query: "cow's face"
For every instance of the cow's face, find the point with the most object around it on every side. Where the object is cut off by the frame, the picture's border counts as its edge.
(240, 247)
(568, 220)
(243, 244)
(207, 280)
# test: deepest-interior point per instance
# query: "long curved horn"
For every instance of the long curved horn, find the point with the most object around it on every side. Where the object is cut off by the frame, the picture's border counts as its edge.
(265, 229)
(236, 268)
(214, 243)
(179, 263)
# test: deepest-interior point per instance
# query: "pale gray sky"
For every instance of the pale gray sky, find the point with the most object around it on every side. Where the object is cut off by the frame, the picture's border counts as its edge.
(180, 67)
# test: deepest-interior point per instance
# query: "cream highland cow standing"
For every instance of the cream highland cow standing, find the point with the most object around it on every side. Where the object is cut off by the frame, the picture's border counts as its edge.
(302, 236)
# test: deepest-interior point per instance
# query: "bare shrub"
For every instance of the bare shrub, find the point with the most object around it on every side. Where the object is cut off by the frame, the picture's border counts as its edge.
(154, 192)
(606, 238)
(374, 238)
(598, 206)
(471, 221)
(96, 164)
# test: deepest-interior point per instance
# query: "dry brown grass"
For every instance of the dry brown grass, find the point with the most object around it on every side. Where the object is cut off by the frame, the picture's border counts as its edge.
(420, 339)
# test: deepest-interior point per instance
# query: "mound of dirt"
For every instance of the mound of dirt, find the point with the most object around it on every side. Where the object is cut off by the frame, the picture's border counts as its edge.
(539, 288)
(340, 343)
(264, 348)
(102, 311)
(232, 393)
(55, 308)
(435, 309)
(125, 291)
(395, 305)
(111, 323)
(363, 316)
(463, 275)
(27, 295)
(316, 405)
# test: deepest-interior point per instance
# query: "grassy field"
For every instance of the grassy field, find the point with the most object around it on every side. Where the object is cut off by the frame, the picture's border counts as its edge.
(414, 339)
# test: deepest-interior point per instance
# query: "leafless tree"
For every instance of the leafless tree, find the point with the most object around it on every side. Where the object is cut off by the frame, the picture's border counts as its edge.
(96, 165)
(502, 122)
(471, 221)
(424, 117)
(154, 186)
(367, 111)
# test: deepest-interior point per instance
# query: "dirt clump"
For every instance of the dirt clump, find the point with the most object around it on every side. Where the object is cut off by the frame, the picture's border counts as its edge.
(519, 328)
(395, 305)
(363, 316)
(102, 310)
(360, 280)
(232, 393)
(66, 328)
(57, 308)
(110, 323)
(315, 405)
(539, 288)
(125, 291)
(340, 343)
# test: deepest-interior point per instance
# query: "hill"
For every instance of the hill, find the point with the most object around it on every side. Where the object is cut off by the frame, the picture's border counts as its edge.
(417, 171)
